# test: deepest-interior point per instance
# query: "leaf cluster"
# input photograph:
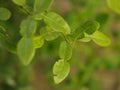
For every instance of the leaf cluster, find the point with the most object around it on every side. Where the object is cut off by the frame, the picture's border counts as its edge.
(55, 26)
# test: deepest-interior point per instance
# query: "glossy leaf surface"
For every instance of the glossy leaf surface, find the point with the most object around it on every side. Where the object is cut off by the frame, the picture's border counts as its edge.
(100, 39)
(26, 50)
(57, 23)
(65, 51)
(61, 70)
(28, 27)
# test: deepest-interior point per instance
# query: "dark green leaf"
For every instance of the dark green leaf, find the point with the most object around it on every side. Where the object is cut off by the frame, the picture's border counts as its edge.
(28, 27)
(6, 41)
(41, 5)
(114, 5)
(90, 26)
(61, 70)
(65, 51)
(102, 18)
(5, 14)
(30, 5)
(57, 23)
(77, 34)
(26, 50)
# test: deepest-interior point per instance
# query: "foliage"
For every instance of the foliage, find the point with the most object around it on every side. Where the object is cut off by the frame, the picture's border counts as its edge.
(28, 27)
(40, 26)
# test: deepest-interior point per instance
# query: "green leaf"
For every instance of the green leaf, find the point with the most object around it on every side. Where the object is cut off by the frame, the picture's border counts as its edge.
(48, 33)
(77, 34)
(90, 26)
(100, 39)
(57, 23)
(5, 14)
(42, 5)
(102, 17)
(65, 51)
(61, 70)
(28, 27)
(38, 41)
(19, 2)
(30, 5)
(26, 50)
(6, 41)
(85, 39)
(114, 5)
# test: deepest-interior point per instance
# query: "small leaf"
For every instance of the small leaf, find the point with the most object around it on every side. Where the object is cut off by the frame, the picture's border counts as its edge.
(38, 41)
(85, 39)
(5, 14)
(28, 27)
(57, 23)
(48, 33)
(61, 70)
(65, 51)
(26, 50)
(90, 26)
(77, 34)
(19, 2)
(114, 5)
(100, 39)
(42, 5)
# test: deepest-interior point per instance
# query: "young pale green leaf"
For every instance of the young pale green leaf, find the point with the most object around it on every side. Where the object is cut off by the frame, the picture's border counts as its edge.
(90, 26)
(28, 27)
(19, 2)
(6, 41)
(38, 41)
(57, 23)
(41, 5)
(26, 50)
(48, 33)
(114, 5)
(86, 38)
(5, 14)
(65, 51)
(61, 70)
(100, 39)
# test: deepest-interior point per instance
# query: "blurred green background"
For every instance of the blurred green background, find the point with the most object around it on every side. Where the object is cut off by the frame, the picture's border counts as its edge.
(92, 67)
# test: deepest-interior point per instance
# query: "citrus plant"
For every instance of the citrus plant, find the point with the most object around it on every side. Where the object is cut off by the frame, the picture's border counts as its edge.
(53, 26)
